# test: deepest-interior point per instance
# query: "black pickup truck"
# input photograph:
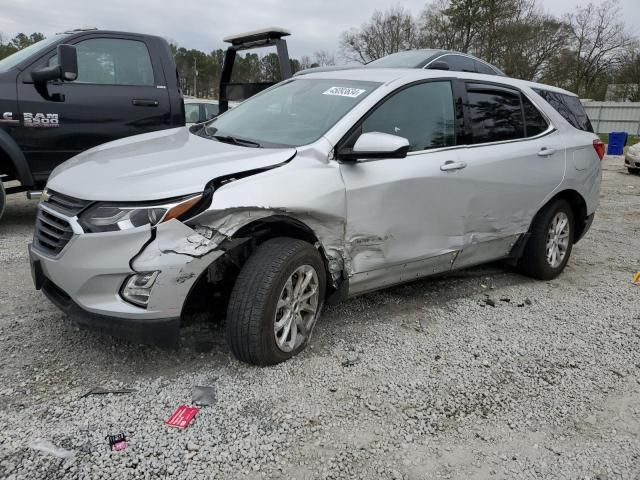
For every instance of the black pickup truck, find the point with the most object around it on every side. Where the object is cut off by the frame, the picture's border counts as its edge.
(76, 90)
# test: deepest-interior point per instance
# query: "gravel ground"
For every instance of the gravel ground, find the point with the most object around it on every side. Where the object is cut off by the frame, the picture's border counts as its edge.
(420, 381)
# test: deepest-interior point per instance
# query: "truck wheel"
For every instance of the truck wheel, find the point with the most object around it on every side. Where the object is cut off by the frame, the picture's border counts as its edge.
(275, 302)
(549, 246)
(3, 199)
(633, 171)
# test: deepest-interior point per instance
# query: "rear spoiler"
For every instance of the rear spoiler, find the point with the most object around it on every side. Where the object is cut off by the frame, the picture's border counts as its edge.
(267, 37)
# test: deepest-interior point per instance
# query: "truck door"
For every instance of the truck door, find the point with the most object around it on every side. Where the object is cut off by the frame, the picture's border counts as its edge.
(120, 91)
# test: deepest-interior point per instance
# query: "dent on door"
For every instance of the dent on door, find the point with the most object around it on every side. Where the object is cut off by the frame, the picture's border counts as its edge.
(404, 220)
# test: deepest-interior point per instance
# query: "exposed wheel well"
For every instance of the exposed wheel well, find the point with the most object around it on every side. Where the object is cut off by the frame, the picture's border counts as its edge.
(213, 288)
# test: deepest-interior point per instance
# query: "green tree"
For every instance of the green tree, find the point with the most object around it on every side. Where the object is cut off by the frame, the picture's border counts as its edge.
(18, 42)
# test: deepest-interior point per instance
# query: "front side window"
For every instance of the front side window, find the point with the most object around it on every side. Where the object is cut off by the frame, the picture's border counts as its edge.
(112, 61)
(294, 113)
(495, 115)
(423, 114)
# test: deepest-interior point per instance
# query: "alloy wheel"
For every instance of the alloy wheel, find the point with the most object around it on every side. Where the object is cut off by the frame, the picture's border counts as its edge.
(297, 308)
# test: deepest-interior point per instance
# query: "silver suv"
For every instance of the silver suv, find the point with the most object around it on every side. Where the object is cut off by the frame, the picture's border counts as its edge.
(322, 187)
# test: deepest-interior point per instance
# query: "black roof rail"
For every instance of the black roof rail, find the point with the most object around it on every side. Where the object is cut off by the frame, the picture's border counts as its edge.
(265, 37)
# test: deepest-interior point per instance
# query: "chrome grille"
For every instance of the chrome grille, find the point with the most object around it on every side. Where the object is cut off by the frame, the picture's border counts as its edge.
(52, 233)
(64, 204)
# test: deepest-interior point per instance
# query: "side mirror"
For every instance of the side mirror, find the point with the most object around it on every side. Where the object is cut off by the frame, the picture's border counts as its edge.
(376, 145)
(66, 69)
(439, 65)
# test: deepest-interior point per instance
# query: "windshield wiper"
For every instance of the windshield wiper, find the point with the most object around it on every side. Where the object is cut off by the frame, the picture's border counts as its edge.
(236, 141)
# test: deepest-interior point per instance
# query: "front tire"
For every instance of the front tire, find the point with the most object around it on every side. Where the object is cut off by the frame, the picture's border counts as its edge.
(275, 302)
(549, 246)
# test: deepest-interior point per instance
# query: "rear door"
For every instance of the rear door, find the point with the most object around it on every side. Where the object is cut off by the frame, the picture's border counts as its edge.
(514, 161)
(120, 91)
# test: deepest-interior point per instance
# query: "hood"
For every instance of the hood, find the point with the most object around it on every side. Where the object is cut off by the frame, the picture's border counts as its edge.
(156, 166)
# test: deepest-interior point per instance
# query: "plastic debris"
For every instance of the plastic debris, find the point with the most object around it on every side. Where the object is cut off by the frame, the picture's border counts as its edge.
(117, 442)
(49, 448)
(104, 391)
(202, 395)
(182, 417)
(636, 279)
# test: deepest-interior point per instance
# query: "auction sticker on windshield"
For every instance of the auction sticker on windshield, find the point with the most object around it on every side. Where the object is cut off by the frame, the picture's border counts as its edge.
(344, 92)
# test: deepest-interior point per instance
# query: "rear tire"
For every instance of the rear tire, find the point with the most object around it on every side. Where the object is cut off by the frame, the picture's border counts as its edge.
(267, 298)
(549, 246)
(3, 199)
(633, 171)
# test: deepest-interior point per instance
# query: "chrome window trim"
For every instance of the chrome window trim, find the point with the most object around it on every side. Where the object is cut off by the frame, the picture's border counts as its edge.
(499, 72)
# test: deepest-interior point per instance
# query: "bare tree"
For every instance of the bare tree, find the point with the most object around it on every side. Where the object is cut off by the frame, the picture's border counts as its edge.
(513, 34)
(628, 78)
(598, 42)
(386, 32)
(324, 58)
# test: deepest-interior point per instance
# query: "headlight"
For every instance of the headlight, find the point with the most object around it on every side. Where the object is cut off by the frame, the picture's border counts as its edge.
(111, 217)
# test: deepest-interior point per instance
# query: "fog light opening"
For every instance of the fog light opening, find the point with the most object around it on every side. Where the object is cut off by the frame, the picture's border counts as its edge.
(137, 288)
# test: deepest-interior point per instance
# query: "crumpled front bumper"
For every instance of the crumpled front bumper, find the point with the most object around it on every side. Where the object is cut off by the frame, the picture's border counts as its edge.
(85, 280)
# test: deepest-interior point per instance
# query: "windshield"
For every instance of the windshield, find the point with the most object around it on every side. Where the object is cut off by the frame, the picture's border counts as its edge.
(410, 59)
(14, 59)
(294, 113)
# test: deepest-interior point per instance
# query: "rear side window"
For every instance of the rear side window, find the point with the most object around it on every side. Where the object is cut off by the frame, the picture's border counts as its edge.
(484, 68)
(534, 121)
(211, 110)
(423, 114)
(460, 63)
(495, 115)
(569, 107)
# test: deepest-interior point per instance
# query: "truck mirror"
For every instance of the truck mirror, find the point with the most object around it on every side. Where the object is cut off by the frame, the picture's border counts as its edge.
(66, 69)
(68, 61)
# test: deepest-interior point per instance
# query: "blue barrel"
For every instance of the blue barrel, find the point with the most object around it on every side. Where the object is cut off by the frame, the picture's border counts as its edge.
(617, 141)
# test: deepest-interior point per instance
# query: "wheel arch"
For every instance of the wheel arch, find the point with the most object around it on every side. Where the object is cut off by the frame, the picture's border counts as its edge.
(13, 162)
(579, 207)
(219, 278)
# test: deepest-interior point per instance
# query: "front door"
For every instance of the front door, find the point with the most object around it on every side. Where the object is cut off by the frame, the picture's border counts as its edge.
(404, 219)
(119, 92)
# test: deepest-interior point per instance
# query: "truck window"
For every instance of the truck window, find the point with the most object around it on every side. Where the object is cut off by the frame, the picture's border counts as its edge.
(569, 107)
(112, 61)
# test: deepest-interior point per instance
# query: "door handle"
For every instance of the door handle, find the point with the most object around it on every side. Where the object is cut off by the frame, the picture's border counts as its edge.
(451, 165)
(546, 152)
(143, 102)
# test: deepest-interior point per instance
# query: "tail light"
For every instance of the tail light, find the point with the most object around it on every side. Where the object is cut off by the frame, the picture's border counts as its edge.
(598, 145)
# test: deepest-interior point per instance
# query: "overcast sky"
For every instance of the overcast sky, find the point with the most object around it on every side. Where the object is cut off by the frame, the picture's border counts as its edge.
(201, 24)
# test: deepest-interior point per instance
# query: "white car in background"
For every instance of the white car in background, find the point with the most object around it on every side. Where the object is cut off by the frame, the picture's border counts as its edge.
(198, 110)
(632, 159)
